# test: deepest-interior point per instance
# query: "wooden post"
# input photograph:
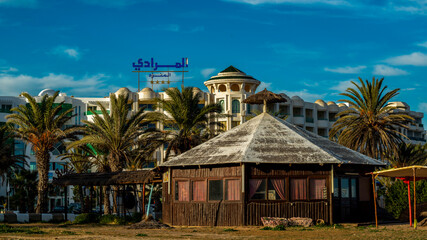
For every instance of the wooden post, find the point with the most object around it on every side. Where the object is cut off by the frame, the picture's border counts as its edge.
(409, 201)
(101, 200)
(264, 108)
(331, 197)
(143, 198)
(375, 200)
(415, 200)
(243, 195)
(66, 203)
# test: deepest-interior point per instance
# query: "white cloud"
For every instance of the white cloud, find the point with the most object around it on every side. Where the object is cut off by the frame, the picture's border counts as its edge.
(408, 89)
(70, 52)
(8, 69)
(264, 85)
(346, 70)
(314, 84)
(423, 44)
(111, 3)
(305, 95)
(422, 107)
(385, 70)
(414, 59)
(13, 85)
(207, 72)
(343, 85)
(168, 27)
(19, 3)
(258, 2)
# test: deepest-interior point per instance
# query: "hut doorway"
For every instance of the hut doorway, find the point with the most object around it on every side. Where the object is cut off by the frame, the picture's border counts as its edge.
(345, 199)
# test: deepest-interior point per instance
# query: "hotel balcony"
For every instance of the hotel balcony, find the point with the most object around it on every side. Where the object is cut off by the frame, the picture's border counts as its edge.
(298, 119)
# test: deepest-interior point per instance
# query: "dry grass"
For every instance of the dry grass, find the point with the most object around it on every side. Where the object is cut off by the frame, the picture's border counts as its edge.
(64, 231)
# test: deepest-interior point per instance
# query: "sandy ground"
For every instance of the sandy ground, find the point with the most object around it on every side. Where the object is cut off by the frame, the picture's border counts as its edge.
(64, 231)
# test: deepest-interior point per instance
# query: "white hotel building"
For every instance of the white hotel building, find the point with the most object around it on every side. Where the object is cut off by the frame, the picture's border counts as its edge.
(229, 88)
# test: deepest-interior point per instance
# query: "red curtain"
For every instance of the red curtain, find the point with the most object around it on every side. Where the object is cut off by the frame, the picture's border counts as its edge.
(253, 186)
(233, 189)
(316, 188)
(199, 191)
(184, 191)
(279, 186)
(298, 188)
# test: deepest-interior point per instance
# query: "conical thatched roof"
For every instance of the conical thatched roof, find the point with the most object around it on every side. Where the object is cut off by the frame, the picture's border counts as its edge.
(266, 95)
(266, 139)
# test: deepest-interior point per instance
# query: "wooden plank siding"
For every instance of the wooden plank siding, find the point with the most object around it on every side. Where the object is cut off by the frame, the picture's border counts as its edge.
(207, 214)
(208, 172)
(314, 210)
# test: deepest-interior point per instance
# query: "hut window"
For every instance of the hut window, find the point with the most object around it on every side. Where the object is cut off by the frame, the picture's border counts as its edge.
(232, 189)
(318, 189)
(235, 106)
(345, 188)
(199, 191)
(276, 189)
(215, 190)
(182, 191)
(298, 188)
(257, 188)
(353, 187)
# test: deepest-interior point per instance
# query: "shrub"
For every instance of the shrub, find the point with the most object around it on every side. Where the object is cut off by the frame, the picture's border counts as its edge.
(86, 218)
(266, 228)
(396, 198)
(230, 230)
(112, 219)
(279, 228)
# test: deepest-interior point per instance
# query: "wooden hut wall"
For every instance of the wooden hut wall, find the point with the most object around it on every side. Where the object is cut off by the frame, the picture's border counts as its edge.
(315, 209)
(202, 213)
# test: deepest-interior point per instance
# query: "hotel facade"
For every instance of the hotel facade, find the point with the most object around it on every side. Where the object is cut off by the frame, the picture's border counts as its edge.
(228, 88)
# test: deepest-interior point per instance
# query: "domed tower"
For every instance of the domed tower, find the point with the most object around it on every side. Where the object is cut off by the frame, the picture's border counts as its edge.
(229, 88)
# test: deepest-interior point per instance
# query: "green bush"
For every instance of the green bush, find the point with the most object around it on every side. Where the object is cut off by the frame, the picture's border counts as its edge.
(266, 228)
(112, 219)
(86, 218)
(396, 198)
(9, 229)
(279, 228)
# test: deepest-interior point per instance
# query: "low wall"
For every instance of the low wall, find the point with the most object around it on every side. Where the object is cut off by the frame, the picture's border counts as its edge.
(34, 217)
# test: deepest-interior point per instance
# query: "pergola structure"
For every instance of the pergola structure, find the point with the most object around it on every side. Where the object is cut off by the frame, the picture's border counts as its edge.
(119, 179)
(407, 174)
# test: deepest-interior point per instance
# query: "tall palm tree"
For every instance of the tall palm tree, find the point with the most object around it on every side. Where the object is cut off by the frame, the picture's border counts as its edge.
(42, 125)
(408, 155)
(370, 125)
(9, 162)
(117, 133)
(186, 116)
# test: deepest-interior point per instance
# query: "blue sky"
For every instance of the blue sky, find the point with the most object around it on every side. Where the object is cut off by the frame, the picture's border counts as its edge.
(310, 48)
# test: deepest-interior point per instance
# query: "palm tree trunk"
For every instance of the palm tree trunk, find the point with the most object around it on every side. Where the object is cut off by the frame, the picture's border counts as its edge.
(42, 158)
(106, 199)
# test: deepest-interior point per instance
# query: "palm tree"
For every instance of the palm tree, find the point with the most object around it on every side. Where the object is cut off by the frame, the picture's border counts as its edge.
(9, 162)
(117, 133)
(23, 182)
(408, 155)
(42, 125)
(370, 125)
(78, 162)
(187, 117)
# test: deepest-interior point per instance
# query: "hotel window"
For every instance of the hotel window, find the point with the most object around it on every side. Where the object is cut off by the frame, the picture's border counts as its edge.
(33, 166)
(298, 187)
(318, 189)
(248, 107)
(235, 124)
(182, 191)
(235, 106)
(215, 190)
(232, 189)
(221, 103)
(199, 191)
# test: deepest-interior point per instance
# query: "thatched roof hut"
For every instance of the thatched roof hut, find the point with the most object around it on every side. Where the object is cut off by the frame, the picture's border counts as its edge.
(266, 167)
(264, 97)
